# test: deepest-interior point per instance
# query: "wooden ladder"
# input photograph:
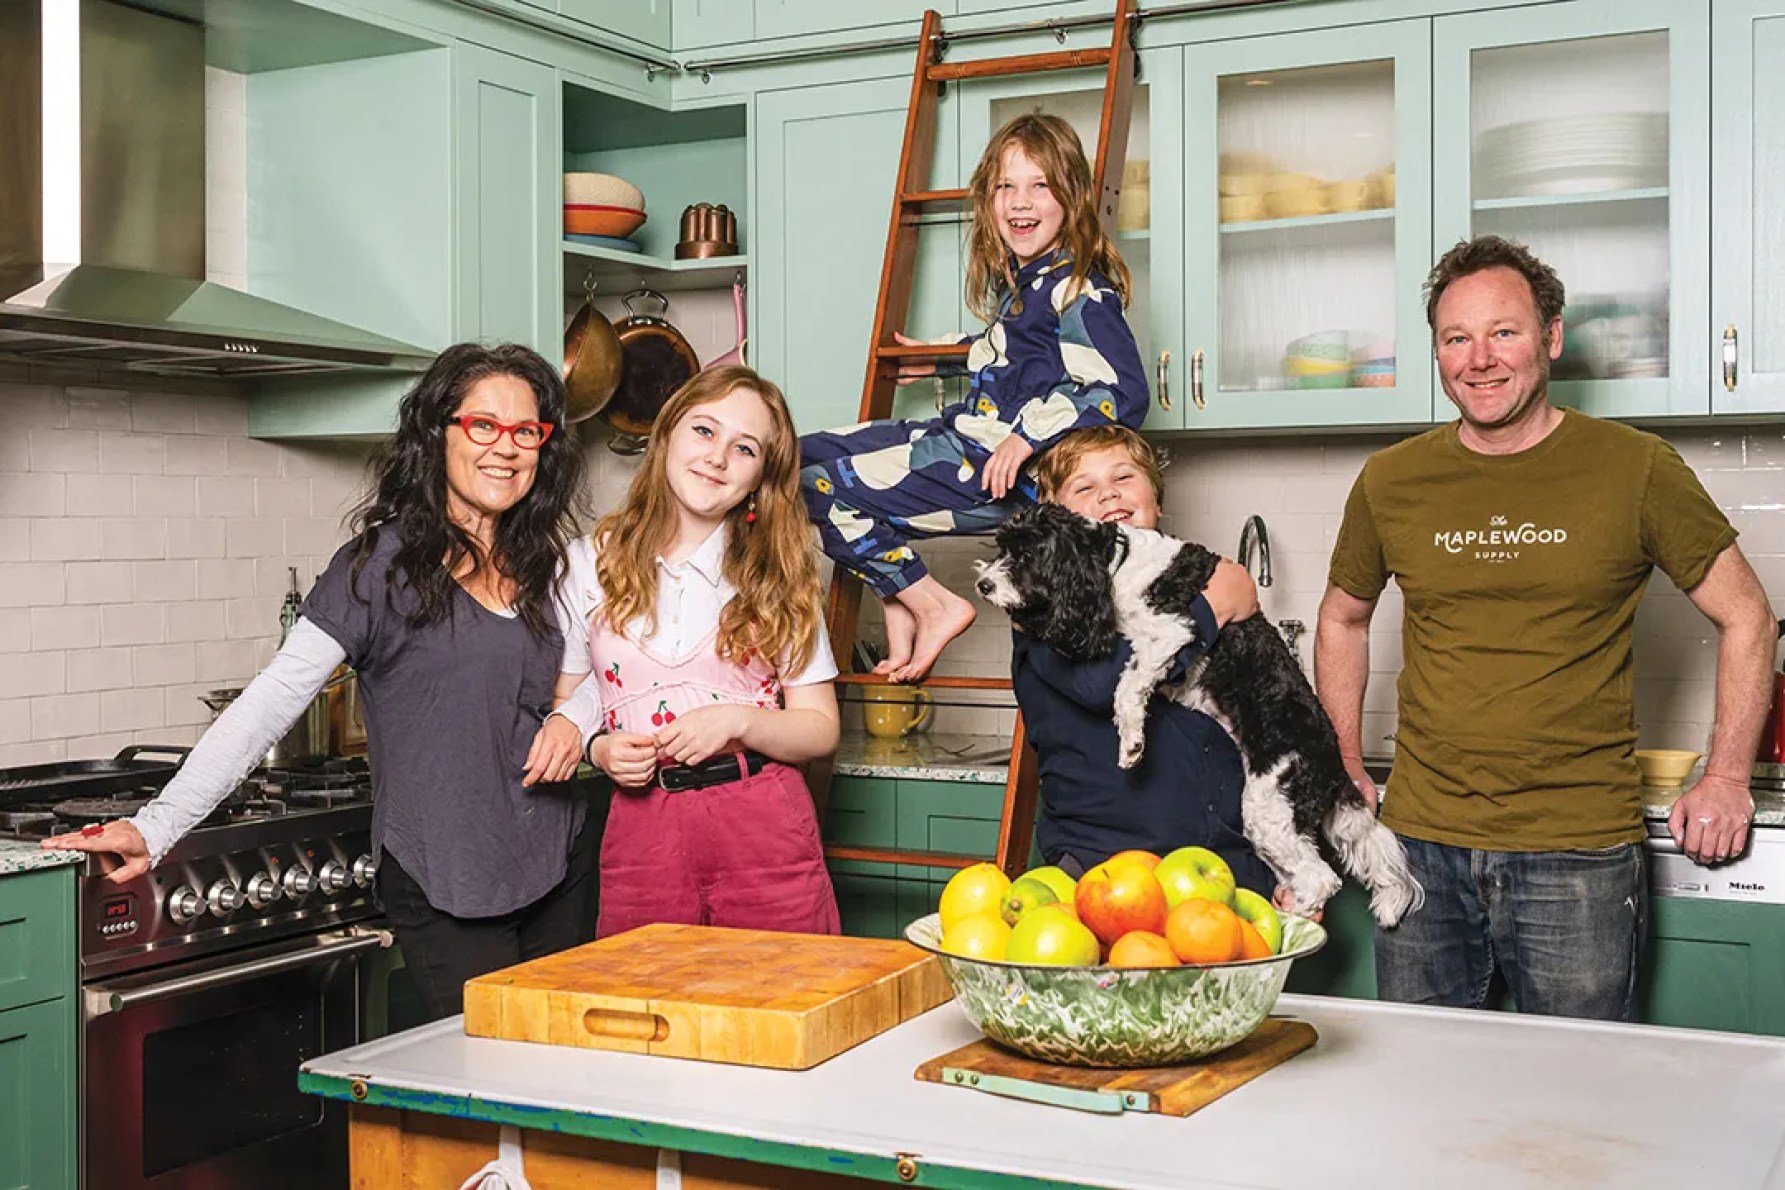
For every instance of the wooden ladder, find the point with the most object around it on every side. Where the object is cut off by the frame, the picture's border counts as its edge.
(910, 202)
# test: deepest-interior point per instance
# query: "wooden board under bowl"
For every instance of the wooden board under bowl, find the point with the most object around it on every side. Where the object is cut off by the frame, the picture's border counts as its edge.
(751, 997)
(1168, 1090)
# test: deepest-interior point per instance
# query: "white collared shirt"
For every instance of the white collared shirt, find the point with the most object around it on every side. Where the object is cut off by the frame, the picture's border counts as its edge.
(690, 595)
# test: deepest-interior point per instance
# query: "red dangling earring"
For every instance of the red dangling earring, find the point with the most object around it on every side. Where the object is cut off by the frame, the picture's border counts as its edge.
(750, 510)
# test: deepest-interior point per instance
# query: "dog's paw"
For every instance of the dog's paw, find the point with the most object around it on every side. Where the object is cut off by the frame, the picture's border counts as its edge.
(1128, 754)
(1314, 890)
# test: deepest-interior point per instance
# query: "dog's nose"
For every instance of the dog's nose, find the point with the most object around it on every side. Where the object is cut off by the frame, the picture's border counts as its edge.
(984, 586)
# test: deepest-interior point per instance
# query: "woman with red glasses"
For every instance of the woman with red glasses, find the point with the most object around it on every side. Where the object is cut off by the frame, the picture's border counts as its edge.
(443, 603)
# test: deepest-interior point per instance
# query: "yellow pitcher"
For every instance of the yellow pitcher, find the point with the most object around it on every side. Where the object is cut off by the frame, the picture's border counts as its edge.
(890, 712)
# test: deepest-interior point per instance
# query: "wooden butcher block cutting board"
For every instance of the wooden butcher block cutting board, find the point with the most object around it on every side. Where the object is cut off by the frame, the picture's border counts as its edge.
(751, 997)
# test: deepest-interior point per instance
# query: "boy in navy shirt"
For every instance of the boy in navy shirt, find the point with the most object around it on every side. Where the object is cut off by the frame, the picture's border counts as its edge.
(1186, 789)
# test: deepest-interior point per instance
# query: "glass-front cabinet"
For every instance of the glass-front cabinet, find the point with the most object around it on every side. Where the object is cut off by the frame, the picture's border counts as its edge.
(1307, 229)
(1581, 134)
(1149, 224)
(1747, 323)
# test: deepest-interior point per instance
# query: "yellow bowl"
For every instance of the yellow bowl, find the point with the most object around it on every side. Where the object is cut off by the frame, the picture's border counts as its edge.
(1664, 768)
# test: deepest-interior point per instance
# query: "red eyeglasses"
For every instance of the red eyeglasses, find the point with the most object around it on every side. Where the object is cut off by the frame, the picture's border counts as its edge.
(484, 431)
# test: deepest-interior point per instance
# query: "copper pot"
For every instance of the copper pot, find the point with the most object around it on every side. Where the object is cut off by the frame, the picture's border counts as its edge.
(658, 361)
(593, 360)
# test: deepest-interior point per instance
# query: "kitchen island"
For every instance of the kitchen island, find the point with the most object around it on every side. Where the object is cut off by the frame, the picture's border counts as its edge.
(1391, 1095)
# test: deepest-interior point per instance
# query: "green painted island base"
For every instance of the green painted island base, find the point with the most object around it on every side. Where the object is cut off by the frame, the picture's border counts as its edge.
(393, 1149)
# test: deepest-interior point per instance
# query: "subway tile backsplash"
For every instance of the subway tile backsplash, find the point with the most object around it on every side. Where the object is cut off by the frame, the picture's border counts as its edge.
(144, 541)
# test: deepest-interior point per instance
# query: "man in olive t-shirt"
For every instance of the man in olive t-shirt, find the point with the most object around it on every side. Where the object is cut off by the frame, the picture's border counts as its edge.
(1522, 537)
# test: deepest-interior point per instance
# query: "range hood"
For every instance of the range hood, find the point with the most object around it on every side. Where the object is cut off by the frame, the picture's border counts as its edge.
(102, 210)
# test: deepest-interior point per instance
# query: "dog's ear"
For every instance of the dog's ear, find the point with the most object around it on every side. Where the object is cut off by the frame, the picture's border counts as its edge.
(1081, 616)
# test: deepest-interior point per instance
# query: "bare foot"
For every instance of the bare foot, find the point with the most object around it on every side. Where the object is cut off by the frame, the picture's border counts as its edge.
(941, 616)
(901, 633)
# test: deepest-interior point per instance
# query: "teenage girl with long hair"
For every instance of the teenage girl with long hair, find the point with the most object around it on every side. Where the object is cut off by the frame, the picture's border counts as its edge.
(443, 602)
(1056, 356)
(699, 606)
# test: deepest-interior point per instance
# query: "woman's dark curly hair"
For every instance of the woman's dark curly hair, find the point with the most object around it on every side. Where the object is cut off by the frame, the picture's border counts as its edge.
(408, 492)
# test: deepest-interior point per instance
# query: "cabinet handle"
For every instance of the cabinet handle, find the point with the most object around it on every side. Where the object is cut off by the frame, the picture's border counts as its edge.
(1196, 379)
(1164, 375)
(1730, 356)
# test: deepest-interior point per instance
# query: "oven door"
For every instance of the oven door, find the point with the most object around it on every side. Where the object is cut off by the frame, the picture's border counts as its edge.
(190, 1072)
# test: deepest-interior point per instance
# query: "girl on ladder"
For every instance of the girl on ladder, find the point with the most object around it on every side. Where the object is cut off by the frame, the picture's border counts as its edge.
(697, 606)
(1056, 356)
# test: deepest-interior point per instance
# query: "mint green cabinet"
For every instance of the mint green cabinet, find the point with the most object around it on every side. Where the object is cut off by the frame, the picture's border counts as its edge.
(642, 20)
(1307, 218)
(1150, 223)
(1747, 322)
(825, 161)
(1583, 135)
(510, 200)
(1715, 965)
(701, 23)
(38, 1030)
(791, 18)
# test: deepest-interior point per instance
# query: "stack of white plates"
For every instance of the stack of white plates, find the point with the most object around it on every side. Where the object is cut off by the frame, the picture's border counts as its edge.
(1572, 155)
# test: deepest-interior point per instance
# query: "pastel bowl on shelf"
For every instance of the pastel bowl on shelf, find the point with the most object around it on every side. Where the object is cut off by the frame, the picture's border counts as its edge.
(1665, 768)
(602, 190)
(586, 219)
(1323, 345)
(1118, 1017)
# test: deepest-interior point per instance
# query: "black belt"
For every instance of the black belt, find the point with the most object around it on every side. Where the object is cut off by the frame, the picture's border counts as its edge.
(734, 766)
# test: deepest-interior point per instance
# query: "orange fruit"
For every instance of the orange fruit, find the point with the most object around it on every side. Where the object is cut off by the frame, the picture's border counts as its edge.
(1252, 943)
(1203, 932)
(1145, 859)
(1141, 948)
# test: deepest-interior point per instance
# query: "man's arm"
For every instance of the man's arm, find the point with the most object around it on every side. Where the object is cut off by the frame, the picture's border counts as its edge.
(1341, 671)
(1710, 822)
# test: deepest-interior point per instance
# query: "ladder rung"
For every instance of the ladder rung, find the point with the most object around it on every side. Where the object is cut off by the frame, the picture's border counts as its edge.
(986, 68)
(933, 682)
(924, 351)
(940, 199)
(920, 859)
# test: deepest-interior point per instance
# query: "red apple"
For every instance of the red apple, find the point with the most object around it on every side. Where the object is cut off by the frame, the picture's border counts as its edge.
(1117, 899)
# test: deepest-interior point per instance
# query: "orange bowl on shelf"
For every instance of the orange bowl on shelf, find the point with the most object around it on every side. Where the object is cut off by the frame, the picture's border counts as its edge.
(589, 219)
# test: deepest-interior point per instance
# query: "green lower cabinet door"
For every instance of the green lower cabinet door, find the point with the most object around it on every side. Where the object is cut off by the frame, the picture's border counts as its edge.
(954, 817)
(860, 813)
(1346, 965)
(510, 200)
(1715, 965)
(37, 1105)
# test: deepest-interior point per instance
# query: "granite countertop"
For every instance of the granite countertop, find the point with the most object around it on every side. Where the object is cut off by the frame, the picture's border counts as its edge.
(28, 857)
(1769, 805)
(921, 756)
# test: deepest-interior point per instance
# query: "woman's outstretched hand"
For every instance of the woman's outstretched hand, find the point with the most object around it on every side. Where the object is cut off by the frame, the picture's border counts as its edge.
(117, 838)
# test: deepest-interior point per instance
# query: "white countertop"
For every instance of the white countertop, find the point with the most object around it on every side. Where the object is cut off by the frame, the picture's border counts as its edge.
(1391, 1096)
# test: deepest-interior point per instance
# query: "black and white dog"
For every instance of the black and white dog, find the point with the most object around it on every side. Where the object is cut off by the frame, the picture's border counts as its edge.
(1082, 585)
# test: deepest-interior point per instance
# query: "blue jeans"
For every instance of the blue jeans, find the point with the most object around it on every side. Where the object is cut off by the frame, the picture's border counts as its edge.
(1565, 929)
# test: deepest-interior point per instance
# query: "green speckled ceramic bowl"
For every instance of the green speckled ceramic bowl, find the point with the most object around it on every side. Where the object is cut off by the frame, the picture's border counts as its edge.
(1106, 1016)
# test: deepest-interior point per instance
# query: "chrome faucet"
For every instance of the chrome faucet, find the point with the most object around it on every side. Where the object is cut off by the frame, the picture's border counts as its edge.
(1254, 531)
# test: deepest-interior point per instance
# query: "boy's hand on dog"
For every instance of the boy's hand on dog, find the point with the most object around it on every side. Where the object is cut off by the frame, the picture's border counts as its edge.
(1231, 593)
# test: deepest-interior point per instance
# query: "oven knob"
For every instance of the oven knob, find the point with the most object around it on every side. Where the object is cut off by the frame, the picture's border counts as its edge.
(363, 870)
(185, 905)
(298, 882)
(263, 890)
(333, 878)
(225, 898)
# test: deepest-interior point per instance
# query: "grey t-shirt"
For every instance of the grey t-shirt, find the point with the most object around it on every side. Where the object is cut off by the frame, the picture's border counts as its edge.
(451, 710)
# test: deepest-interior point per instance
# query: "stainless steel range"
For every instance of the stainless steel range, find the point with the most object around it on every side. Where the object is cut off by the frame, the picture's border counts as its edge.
(207, 982)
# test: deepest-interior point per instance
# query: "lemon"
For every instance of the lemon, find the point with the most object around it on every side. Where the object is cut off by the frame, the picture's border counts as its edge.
(979, 889)
(977, 936)
(1055, 878)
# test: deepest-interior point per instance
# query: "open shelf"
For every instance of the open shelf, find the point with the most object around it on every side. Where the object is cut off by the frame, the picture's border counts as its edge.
(616, 271)
(1308, 222)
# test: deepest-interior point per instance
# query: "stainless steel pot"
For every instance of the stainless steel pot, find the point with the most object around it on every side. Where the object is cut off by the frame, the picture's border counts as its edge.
(304, 742)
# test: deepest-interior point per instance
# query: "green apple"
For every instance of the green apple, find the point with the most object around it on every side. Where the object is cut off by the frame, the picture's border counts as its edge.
(1025, 893)
(1263, 916)
(1195, 872)
(1055, 878)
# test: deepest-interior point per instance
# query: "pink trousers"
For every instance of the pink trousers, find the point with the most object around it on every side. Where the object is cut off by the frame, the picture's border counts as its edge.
(743, 854)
